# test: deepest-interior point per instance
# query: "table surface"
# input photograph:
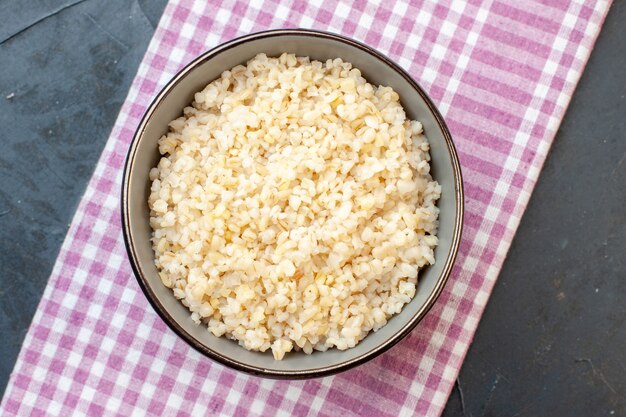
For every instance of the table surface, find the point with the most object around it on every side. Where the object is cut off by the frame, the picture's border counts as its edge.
(552, 339)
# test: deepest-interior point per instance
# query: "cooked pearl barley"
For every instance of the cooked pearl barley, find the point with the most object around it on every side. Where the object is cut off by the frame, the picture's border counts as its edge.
(293, 205)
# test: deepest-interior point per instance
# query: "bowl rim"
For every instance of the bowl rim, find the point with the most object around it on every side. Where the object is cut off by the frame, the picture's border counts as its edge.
(169, 319)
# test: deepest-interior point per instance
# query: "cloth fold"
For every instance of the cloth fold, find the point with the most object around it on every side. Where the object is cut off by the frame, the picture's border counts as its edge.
(502, 73)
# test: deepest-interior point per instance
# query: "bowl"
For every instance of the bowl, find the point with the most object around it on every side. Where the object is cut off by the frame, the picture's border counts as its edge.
(143, 155)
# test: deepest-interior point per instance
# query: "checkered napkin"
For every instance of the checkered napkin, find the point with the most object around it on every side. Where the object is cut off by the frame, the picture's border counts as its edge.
(502, 74)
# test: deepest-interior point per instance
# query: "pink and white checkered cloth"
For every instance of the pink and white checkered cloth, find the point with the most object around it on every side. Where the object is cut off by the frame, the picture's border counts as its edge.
(502, 74)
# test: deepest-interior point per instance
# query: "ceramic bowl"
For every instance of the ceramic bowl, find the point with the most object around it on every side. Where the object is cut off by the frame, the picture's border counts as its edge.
(143, 155)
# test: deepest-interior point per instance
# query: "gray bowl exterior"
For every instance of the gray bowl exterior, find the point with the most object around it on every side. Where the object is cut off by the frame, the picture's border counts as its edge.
(143, 155)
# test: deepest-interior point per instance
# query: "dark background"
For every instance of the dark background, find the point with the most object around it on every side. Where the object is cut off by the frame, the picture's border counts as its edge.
(552, 341)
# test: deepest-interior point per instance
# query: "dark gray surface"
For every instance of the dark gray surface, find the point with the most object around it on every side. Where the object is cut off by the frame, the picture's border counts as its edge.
(68, 77)
(553, 338)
